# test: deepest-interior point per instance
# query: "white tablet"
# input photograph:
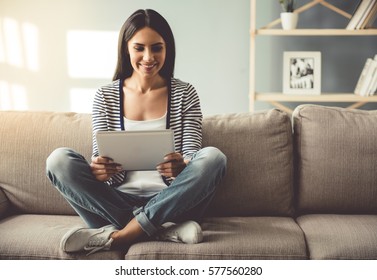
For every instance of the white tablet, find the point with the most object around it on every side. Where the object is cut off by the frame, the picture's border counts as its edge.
(136, 150)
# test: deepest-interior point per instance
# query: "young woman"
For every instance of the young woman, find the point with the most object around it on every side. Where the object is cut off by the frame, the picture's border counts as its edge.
(121, 207)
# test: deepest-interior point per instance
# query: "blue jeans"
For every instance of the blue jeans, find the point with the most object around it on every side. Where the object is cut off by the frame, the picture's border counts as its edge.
(98, 204)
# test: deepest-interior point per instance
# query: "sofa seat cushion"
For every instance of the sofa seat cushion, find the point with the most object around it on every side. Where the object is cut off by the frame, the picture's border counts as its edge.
(38, 237)
(232, 238)
(340, 236)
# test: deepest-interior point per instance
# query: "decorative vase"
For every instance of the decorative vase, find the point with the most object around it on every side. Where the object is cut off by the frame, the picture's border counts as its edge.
(289, 20)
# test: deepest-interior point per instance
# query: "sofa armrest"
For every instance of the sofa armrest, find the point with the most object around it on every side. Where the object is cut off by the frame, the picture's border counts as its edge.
(4, 204)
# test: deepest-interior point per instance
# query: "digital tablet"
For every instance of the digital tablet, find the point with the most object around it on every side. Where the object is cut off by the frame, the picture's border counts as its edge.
(136, 150)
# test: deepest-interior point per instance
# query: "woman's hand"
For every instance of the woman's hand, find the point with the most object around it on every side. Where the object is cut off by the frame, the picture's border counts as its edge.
(103, 168)
(172, 166)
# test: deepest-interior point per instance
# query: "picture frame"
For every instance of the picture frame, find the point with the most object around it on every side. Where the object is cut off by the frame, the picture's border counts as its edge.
(302, 73)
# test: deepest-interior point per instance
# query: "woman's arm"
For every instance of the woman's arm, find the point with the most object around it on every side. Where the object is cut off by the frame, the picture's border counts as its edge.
(192, 118)
(103, 169)
(191, 131)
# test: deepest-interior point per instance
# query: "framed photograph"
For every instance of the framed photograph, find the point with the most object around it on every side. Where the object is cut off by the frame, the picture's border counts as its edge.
(302, 73)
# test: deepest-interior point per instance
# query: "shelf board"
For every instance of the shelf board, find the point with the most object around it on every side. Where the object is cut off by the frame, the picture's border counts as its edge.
(317, 32)
(324, 97)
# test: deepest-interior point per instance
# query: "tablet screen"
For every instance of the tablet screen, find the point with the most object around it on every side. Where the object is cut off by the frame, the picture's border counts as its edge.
(136, 150)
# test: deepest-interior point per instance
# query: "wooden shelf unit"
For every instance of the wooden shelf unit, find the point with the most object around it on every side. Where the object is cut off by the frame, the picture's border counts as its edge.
(317, 32)
(277, 98)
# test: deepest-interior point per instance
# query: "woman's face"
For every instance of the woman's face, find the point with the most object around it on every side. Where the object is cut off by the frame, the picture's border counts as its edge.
(147, 50)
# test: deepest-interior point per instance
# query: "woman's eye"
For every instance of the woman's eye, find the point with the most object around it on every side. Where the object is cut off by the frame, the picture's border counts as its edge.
(156, 48)
(139, 49)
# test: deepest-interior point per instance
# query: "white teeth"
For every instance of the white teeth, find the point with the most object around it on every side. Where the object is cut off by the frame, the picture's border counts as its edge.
(148, 67)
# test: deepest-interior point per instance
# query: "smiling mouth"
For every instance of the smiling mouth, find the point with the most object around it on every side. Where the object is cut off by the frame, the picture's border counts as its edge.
(148, 67)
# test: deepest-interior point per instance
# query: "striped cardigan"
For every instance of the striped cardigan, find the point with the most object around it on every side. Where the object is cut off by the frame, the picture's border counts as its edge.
(184, 117)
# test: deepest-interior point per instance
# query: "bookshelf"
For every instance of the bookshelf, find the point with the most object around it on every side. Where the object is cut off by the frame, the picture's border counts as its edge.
(278, 98)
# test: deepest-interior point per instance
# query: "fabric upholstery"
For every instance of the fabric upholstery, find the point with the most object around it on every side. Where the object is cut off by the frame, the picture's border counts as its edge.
(38, 237)
(259, 179)
(4, 204)
(251, 214)
(266, 135)
(246, 238)
(336, 167)
(27, 139)
(340, 236)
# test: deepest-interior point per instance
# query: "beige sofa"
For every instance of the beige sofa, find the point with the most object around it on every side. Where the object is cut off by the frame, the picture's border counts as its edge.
(306, 193)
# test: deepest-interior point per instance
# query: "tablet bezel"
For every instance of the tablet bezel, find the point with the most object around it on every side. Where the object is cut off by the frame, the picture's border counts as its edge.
(136, 150)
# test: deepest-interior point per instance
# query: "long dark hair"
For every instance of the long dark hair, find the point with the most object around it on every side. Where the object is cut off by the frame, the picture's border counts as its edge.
(137, 21)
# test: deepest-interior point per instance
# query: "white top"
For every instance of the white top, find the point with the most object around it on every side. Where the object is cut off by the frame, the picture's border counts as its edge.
(155, 124)
(143, 183)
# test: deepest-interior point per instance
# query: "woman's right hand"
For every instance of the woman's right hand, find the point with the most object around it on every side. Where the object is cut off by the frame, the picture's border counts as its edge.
(104, 168)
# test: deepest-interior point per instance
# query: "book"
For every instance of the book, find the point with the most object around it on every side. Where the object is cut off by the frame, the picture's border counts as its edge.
(373, 85)
(362, 76)
(372, 88)
(367, 84)
(371, 18)
(367, 77)
(366, 14)
(358, 14)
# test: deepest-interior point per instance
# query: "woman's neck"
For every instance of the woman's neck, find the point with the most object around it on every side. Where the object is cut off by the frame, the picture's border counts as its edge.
(144, 85)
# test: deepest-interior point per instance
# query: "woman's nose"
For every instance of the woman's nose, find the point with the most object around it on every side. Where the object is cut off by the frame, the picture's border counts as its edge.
(148, 55)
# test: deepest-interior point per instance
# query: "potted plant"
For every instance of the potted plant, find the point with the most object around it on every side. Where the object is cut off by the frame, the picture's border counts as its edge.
(287, 5)
(288, 18)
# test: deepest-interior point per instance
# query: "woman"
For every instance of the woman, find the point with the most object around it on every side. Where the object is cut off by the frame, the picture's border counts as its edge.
(121, 207)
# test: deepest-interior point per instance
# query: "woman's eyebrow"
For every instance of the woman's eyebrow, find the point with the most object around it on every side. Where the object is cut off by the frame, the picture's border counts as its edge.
(155, 44)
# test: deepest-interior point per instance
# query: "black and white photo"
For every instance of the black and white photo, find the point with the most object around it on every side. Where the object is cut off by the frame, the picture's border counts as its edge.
(302, 73)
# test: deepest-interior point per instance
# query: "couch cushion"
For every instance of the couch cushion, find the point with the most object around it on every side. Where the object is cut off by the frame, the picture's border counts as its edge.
(232, 238)
(4, 204)
(258, 147)
(340, 236)
(36, 237)
(336, 166)
(259, 177)
(27, 138)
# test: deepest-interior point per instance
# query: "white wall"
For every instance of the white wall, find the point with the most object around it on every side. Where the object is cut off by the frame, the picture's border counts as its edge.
(70, 46)
(74, 42)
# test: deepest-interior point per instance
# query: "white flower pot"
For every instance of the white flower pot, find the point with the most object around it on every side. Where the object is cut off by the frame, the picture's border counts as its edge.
(289, 20)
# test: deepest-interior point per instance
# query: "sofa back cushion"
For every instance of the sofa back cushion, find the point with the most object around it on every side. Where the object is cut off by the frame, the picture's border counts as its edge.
(336, 160)
(259, 171)
(27, 139)
(258, 147)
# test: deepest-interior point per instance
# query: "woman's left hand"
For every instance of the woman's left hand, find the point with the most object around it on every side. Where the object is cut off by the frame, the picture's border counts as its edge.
(172, 166)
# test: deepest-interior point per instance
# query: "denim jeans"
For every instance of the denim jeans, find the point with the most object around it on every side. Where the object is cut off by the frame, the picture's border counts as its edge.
(98, 204)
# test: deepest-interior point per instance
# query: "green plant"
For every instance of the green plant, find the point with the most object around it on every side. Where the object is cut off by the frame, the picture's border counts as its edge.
(287, 5)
